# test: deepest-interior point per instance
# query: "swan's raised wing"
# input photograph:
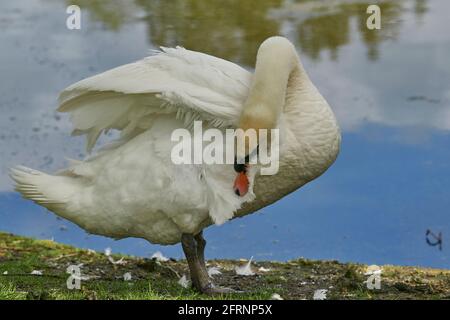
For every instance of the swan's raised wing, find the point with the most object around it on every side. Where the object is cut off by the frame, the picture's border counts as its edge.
(192, 85)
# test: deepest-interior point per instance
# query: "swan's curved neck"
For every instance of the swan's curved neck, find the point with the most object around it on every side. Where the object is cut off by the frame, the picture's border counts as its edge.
(276, 62)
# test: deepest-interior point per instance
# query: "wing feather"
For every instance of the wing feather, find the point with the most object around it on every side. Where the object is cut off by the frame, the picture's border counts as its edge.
(192, 85)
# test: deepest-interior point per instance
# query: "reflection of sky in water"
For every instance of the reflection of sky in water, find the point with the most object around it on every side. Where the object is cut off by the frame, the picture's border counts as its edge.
(390, 91)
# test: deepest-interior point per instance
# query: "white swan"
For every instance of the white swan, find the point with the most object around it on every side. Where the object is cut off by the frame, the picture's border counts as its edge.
(132, 189)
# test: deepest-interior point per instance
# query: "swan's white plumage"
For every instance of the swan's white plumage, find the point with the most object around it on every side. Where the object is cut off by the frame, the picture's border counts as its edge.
(132, 189)
(193, 85)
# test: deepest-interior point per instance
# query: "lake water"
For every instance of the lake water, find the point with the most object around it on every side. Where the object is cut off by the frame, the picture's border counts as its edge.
(390, 90)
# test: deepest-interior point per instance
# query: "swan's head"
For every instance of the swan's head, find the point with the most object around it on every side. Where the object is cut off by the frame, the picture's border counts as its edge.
(275, 62)
(259, 119)
(258, 116)
(255, 128)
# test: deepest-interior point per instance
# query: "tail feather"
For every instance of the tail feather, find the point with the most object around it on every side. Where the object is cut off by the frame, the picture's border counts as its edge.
(39, 187)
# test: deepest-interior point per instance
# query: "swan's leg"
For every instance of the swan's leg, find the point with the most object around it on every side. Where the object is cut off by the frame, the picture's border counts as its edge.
(199, 276)
(201, 244)
(193, 247)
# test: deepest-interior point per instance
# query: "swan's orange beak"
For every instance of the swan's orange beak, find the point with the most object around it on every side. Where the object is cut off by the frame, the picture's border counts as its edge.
(241, 184)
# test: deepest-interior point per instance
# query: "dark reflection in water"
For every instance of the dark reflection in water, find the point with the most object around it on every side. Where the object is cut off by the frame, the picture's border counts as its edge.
(332, 30)
(420, 8)
(235, 28)
(229, 29)
(113, 14)
(388, 88)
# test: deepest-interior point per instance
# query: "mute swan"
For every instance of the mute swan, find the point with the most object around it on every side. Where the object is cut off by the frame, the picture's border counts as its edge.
(132, 189)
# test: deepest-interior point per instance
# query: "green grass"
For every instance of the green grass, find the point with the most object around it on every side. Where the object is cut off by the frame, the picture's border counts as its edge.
(297, 279)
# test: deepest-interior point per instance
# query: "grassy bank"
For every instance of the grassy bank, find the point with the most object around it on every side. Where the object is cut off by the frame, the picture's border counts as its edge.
(297, 279)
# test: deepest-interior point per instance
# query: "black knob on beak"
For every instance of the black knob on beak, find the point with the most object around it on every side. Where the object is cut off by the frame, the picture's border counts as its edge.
(242, 167)
(239, 167)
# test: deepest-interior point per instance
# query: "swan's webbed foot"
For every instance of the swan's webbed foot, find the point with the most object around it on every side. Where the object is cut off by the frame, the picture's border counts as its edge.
(194, 248)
